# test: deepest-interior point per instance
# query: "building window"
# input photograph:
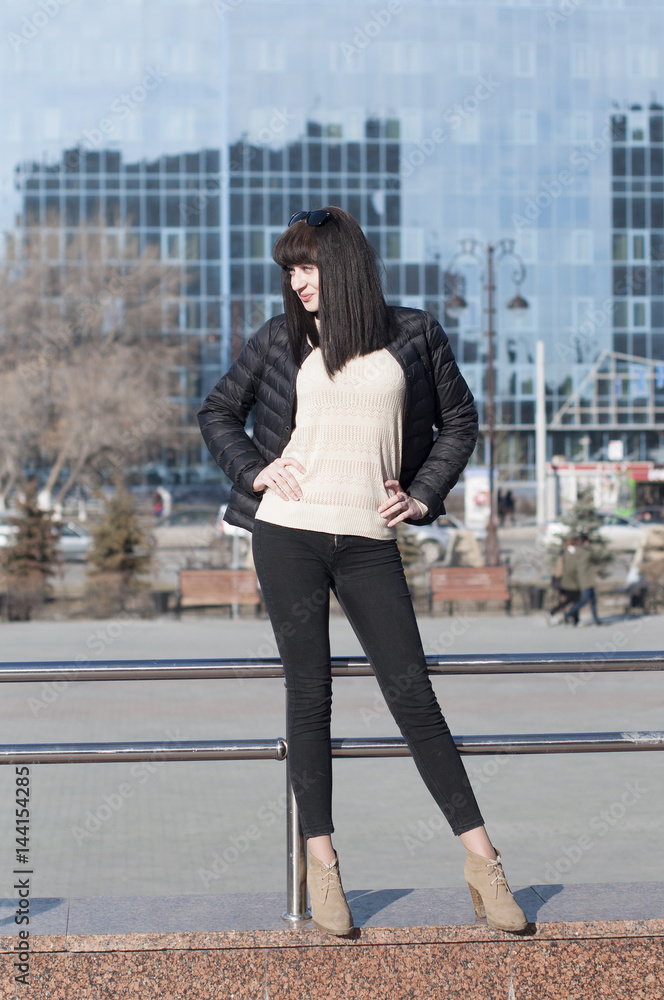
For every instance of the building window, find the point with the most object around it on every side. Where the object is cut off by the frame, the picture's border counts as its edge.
(193, 246)
(638, 128)
(581, 309)
(619, 246)
(582, 125)
(266, 55)
(641, 61)
(468, 59)
(524, 59)
(393, 246)
(619, 213)
(257, 243)
(52, 127)
(345, 58)
(639, 314)
(582, 246)
(468, 129)
(527, 245)
(524, 127)
(620, 315)
(581, 61)
(407, 57)
(112, 246)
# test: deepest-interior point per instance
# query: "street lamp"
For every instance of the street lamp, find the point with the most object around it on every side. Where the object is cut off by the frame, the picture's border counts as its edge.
(494, 253)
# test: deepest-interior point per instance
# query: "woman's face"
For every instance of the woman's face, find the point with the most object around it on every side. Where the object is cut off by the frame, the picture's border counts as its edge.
(304, 282)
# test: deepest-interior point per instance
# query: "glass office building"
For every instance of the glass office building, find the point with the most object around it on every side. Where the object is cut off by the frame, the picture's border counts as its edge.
(501, 114)
(638, 231)
(268, 185)
(172, 207)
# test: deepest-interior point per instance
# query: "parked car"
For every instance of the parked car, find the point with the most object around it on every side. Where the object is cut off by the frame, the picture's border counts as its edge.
(434, 539)
(73, 542)
(7, 530)
(188, 527)
(621, 532)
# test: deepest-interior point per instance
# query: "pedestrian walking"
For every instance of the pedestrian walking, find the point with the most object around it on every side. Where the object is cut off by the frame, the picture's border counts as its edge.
(586, 577)
(568, 582)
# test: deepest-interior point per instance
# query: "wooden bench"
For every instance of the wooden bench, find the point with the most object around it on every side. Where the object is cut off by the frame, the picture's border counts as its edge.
(465, 583)
(213, 588)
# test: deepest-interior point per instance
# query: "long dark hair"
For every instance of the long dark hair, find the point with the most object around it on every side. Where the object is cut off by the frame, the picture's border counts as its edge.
(353, 315)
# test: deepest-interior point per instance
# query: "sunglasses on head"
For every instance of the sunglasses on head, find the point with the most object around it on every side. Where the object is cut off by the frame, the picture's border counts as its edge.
(316, 218)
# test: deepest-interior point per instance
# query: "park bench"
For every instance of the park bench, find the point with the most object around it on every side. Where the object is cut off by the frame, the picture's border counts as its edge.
(466, 583)
(211, 588)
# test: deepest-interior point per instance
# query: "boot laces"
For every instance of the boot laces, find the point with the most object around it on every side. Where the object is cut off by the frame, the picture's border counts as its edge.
(496, 869)
(330, 878)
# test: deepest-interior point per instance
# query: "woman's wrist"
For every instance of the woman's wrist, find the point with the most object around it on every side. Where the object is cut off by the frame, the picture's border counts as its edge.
(423, 509)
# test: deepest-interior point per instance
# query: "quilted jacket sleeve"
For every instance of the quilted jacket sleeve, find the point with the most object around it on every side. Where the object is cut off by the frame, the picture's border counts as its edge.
(224, 413)
(456, 421)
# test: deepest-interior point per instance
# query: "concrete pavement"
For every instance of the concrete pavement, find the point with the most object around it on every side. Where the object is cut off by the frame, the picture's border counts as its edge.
(219, 827)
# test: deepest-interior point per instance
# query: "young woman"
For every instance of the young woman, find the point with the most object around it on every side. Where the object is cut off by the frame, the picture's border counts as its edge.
(345, 393)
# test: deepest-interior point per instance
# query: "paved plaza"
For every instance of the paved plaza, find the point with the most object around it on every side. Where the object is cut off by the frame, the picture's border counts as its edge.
(215, 827)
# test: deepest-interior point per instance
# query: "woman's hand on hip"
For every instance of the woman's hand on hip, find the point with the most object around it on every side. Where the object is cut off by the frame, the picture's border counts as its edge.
(398, 507)
(276, 476)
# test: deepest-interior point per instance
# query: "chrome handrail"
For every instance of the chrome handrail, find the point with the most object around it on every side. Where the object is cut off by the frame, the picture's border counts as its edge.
(342, 666)
(277, 749)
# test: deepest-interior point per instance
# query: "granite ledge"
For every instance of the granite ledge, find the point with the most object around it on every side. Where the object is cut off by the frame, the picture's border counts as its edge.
(371, 937)
(384, 917)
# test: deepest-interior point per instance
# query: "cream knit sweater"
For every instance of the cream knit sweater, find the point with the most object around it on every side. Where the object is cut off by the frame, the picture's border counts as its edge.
(348, 437)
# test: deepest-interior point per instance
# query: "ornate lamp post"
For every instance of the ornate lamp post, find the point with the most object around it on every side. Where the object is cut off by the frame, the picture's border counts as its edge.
(490, 255)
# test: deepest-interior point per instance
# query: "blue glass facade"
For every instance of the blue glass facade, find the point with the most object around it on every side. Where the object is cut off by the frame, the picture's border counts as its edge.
(501, 116)
(171, 206)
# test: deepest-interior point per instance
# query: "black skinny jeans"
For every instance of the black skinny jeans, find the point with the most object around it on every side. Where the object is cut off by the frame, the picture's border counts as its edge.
(296, 569)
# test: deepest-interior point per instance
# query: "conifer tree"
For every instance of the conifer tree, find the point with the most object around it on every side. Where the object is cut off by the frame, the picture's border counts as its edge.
(29, 560)
(121, 552)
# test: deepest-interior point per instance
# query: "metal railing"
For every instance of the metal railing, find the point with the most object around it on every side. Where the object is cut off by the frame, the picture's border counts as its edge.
(277, 749)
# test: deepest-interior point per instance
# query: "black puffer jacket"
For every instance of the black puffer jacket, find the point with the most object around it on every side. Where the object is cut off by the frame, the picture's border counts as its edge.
(264, 377)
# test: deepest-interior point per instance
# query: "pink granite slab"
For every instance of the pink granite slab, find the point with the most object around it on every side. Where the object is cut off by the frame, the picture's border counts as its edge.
(588, 942)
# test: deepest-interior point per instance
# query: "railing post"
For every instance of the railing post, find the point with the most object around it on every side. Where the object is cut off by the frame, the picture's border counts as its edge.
(296, 879)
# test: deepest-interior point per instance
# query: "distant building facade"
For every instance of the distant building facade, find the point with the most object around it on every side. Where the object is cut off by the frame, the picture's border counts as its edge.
(456, 119)
(172, 206)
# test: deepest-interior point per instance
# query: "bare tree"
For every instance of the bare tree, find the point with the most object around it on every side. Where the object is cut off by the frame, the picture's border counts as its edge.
(84, 364)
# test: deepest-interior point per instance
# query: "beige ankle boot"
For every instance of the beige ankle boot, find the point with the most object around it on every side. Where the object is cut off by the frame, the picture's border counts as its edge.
(329, 908)
(491, 894)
